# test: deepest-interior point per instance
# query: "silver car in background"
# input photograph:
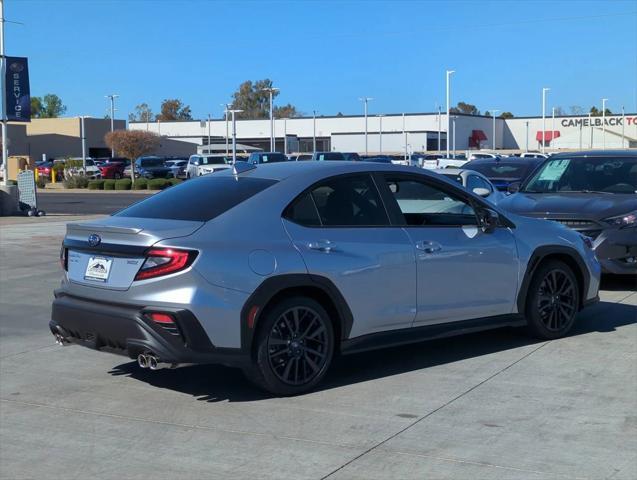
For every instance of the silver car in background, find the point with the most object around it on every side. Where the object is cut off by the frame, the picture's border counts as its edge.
(277, 268)
(474, 182)
(199, 165)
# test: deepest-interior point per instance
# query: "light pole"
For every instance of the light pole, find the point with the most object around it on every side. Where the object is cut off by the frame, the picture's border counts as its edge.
(544, 90)
(527, 136)
(439, 119)
(405, 135)
(623, 123)
(380, 132)
(313, 131)
(552, 123)
(590, 122)
(226, 107)
(271, 91)
(365, 100)
(234, 135)
(209, 134)
(83, 144)
(449, 73)
(454, 136)
(604, 100)
(285, 136)
(3, 72)
(494, 112)
(112, 97)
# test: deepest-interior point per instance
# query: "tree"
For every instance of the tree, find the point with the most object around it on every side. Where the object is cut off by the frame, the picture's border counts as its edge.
(286, 111)
(142, 113)
(340, 114)
(36, 107)
(132, 144)
(173, 109)
(49, 106)
(487, 113)
(506, 115)
(576, 110)
(559, 112)
(467, 108)
(595, 112)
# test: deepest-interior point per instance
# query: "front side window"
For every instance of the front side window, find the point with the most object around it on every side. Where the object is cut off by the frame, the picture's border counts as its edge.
(473, 182)
(424, 204)
(344, 201)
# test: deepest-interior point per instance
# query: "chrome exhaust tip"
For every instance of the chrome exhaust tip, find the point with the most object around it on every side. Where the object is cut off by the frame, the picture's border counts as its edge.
(153, 363)
(60, 340)
(142, 360)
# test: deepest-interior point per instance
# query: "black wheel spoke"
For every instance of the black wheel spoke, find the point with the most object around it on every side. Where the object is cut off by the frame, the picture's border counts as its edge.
(297, 345)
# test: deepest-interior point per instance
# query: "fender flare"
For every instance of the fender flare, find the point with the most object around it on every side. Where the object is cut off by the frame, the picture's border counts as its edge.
(272, 286)
(536, 258)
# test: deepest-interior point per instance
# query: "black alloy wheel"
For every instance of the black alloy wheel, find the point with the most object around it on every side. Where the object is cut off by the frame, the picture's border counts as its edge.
(294, 346)
(297, 345)
(553, 300)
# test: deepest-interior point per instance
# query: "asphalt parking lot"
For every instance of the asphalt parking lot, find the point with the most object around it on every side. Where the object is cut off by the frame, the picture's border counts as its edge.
(85, 202)
(493, 405)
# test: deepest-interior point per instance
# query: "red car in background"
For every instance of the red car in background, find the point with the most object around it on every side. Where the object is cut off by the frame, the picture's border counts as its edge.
(45, 169)
(113, 167)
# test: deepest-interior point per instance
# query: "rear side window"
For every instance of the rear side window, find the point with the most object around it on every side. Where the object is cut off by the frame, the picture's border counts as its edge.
(273, 157)
(201, 199)
(344, 201)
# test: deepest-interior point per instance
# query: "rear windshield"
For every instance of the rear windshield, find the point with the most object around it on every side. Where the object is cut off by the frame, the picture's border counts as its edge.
(213, 160)
(500, 170)
(273, 157)
(201, 199)
(151, 162)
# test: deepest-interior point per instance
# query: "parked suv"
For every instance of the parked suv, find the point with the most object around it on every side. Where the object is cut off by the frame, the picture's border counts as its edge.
(276, 268)
(594, 193)
(199, 165)
(266, 157)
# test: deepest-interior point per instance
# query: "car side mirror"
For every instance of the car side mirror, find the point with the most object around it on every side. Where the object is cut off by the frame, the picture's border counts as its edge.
(481, 191)
(513, 187)
(489, 220)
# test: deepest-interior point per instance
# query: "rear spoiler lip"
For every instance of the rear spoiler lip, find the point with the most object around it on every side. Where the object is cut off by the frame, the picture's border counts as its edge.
(80, 227)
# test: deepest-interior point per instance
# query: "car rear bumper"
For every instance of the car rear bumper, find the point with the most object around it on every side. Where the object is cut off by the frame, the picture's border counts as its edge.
(128, 330)
(616, 250)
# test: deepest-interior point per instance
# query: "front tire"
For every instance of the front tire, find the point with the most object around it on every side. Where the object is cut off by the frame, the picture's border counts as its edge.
(294, 347)
(552, 301)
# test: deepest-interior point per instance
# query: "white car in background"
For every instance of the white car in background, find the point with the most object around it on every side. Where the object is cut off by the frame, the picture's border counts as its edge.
(92, 170)
(474, 182)
(199, 165)
(443, 162)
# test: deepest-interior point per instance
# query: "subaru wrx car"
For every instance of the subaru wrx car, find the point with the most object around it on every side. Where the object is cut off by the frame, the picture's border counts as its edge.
(276, 268)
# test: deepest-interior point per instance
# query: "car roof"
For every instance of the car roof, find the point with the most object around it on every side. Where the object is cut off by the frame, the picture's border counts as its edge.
(284, 170)
(596, 153)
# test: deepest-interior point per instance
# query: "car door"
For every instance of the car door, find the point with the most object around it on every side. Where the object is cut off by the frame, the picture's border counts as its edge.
(342, 231)
(463, 272)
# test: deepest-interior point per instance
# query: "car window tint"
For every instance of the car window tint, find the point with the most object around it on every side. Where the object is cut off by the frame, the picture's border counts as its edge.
(474, 181)
(303, 211)
(423, 204)
(201, 199)
(349, 201)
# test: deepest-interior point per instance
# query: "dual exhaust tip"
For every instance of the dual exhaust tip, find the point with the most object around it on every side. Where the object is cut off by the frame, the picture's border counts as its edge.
(150, 360)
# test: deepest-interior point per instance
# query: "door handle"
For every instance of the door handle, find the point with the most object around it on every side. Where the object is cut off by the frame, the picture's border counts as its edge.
(428, 247)
(322, 246)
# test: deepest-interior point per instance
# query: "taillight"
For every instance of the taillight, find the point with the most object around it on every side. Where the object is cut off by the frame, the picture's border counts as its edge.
(64, 260)
(162, 261)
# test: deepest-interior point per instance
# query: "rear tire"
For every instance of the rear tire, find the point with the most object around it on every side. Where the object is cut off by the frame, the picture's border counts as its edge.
(552, 300)
(294, 347)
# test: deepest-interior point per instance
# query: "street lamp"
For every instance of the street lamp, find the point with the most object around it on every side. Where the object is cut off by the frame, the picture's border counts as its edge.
(405, 135)
(439, 120)
(380, 132)
(552, 123)
(454, 136)
(604, 100)
(365, 100)
(112, 97)
(449, 73)
(234, 135)
(590, 122)
(285, 136)
(226, 107)
(209, 134)
(271, 91)
(83, 138)
(527, 136)
(494, 112)
(623, 123)
(313, 131)
(544, 90)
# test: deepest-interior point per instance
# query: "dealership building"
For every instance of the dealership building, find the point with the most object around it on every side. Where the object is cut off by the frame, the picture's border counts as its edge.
(397, 133)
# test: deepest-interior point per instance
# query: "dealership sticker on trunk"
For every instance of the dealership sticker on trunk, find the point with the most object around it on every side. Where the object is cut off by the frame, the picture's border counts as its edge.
(98, 268)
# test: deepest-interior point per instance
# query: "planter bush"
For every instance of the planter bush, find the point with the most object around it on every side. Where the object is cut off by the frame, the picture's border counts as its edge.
(123, 184)
(109, 184)
(158, 184)
(175, 181)
(96, 185)
(141, 184)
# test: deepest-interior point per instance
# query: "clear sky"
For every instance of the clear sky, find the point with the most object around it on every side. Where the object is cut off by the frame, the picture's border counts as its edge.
(324, 55)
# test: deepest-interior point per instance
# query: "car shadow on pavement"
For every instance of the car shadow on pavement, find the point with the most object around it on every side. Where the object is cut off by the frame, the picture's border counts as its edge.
(616, 283)
(213, 383)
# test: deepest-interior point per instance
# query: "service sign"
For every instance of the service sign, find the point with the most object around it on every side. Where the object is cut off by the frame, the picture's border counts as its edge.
(18, 98)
